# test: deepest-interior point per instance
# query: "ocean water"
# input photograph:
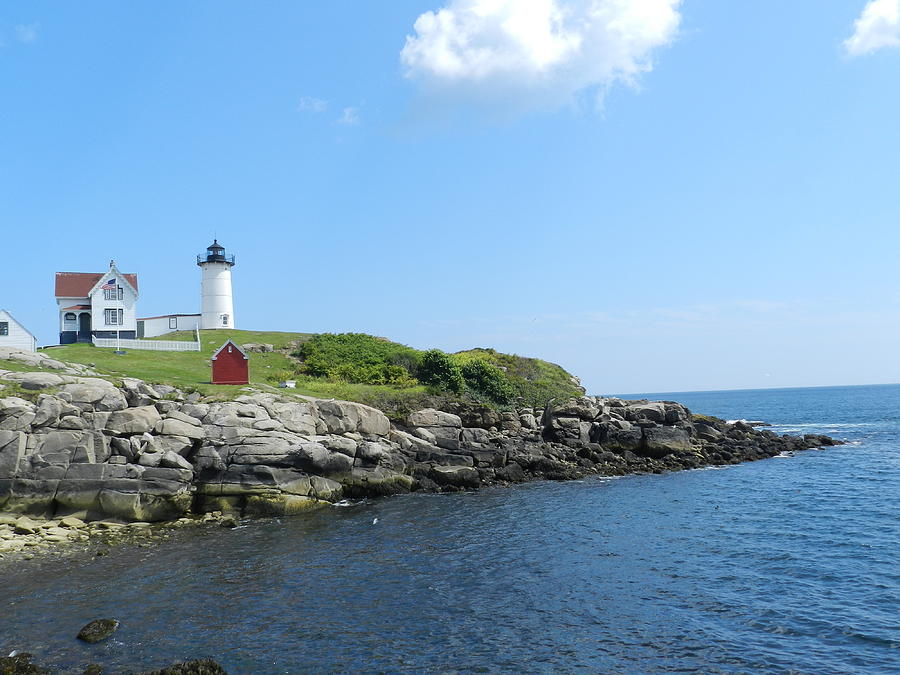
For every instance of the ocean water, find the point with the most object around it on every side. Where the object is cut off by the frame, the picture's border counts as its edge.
(788, 565)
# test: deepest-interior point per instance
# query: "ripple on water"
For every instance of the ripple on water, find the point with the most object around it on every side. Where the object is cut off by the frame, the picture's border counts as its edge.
(773, 566)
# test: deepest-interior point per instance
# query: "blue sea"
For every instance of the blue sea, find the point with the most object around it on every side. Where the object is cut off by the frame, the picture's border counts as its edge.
(787, 565)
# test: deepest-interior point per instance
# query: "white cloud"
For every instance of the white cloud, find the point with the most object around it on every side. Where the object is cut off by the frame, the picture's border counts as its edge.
(876, 28)
(27, 33)
(311, 104)
(536, 53)
(349, 117)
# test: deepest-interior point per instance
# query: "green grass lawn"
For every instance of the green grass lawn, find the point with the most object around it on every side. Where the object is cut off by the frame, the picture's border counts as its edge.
(191, 370)
(533, 380)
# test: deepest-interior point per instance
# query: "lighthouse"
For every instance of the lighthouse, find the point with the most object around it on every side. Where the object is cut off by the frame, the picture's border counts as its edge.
(216, 304)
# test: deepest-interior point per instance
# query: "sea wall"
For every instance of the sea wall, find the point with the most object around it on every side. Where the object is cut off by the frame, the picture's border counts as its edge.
(90, 449)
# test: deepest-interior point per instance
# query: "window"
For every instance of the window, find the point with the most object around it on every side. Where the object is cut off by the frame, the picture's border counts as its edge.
(113, 293)
(113, 317)
(70, 316)
(4, 327)
(173, 322)
(224, 319)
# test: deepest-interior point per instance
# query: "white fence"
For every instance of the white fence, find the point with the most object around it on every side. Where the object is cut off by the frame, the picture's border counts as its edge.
(152, 345)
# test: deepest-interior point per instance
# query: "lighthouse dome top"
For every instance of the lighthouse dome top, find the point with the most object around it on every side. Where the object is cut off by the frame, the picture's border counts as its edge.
(215, 253)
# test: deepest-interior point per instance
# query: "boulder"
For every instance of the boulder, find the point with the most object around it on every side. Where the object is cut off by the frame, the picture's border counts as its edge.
(98, 630)
(35, 381)
(12, 451)
(174, 427)
(653, 412)
(343, 417)
(457, 476)
(429, 417)
(619, 441)
(133, 420)
(299, 418)
(258, 347)
(512, 473)
(183, 417)
(370, 453)
(316, 458)
(662, 441)
(173, 460)
(49, 409)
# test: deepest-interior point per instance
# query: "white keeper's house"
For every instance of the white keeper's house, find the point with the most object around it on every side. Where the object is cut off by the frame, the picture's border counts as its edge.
(104, 304)
(96, 304)
(15, 335)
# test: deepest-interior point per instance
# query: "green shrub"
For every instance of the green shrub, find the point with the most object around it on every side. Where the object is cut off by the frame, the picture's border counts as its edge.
(438, 370)
(487, 382)
(358, 358)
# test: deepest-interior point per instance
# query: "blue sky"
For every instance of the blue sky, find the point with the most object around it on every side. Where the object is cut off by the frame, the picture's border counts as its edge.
(658, 195)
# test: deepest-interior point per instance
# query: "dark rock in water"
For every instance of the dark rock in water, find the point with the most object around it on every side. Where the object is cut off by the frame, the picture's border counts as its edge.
(93, 669)
(662, 441)
(20, 664)
(512, 473)
(198, 667)
(98, 630)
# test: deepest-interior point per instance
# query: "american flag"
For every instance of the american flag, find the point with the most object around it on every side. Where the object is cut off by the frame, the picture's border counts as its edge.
(109, 285)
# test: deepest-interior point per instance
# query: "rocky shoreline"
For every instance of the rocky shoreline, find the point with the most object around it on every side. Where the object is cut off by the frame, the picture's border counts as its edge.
(129, 452)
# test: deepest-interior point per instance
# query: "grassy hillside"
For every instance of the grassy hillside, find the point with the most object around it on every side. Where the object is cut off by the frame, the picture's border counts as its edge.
(354, 367)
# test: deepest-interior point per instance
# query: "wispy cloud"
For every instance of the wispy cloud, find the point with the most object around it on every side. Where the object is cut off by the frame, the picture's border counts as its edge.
(878, 27)
(26, 33)
(312, 105)
(535, 54)
(349, 117)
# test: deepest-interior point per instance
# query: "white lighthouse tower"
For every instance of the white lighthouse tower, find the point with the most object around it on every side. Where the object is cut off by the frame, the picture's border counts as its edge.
(216, 304)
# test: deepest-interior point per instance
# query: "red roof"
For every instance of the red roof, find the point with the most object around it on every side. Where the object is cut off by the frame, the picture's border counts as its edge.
(77, 307)
(79, 284)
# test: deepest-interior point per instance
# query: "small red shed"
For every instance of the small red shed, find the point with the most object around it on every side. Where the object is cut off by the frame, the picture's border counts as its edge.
(230, 365)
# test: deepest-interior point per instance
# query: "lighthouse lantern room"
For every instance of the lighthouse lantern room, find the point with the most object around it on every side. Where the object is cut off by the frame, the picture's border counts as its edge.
(216, 303)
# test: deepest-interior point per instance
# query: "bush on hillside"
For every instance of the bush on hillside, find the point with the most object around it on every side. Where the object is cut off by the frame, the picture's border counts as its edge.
(487, 383)
(438, 370)
(358, 358)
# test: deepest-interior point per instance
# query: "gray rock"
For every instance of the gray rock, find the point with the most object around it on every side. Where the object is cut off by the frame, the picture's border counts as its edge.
(475, 438)
(619, 441)
(654, 412)
(172, 460)
(12, 451)
(342, 444)
(512, 473)
(316, 458)
(429, 417)
(48, 411)
(183, 417)
(662, 441)
(71, 422)
(173, 427)
(133, 420)
(35, 381)
(342, 417)
(458, 476)
(151, 459)
(98, 630)
(370, 453)
(425, 435)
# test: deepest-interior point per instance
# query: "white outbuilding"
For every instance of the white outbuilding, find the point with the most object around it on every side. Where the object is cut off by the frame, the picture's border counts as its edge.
(15, 335)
